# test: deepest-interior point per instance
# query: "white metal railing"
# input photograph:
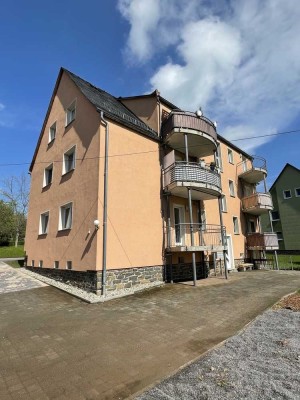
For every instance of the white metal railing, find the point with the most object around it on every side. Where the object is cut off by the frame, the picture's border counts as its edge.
(192, 172)
(179, 235)
(257, 200)
(256, 163)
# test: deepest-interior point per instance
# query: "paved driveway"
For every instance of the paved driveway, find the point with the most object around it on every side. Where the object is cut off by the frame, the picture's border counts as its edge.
(12, 279)
(53, 346)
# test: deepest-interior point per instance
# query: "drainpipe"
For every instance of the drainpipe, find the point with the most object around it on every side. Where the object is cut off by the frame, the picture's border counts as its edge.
(104, 243)
(222, 237)
(191, 215)
(271, 225)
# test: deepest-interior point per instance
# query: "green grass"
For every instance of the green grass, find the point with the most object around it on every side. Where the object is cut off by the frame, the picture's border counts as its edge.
(15, 264)
(12, 251)
(286, 261)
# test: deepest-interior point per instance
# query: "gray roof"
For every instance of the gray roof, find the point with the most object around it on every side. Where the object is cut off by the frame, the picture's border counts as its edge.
(112, 107)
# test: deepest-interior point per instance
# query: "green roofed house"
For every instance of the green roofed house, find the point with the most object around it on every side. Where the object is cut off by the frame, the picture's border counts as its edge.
(285, 216)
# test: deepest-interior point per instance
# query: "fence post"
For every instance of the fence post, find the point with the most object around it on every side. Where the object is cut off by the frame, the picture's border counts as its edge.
(291, 261)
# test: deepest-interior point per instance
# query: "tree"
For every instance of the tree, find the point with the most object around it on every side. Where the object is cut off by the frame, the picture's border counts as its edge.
(15, 190)
(7, 223)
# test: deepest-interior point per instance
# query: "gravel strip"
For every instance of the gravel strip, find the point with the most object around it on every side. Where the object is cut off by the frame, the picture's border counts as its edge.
(89, 296)
(263, 362)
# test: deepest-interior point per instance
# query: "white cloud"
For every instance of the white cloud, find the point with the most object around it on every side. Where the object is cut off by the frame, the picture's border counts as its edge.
(239, 60)
(2, 106)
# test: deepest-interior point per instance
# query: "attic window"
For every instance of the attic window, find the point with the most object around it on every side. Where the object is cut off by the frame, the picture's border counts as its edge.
(52, 132)
(71, 113)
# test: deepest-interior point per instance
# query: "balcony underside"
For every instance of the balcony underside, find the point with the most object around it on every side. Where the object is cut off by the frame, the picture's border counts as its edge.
(180, 248)
(257, 210)
(200, 191)
(253, 175)
(200, 144)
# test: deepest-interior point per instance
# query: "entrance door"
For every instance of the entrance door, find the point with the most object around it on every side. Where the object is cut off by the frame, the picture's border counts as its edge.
(229, 253)
(179, 228)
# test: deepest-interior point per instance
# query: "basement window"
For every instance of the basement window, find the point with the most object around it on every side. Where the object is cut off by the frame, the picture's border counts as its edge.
(69, 264)
(32, 263)
(56, 264)
(41, 263)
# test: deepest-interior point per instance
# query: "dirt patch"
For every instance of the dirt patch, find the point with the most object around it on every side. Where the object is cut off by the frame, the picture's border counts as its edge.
(290, 302)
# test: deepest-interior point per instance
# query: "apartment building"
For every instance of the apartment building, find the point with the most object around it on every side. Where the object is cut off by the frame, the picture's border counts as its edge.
(130, 192)
(285, 220)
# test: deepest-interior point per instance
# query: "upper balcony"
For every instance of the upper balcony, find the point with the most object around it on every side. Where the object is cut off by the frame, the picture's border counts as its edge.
(202, 135)
(262, 241)
(252, 171)
(257, 203)
(205, 237)
(203, 179)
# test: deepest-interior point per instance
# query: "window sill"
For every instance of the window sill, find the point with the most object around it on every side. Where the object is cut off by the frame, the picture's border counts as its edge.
(232, 195)
(69, 123)
(43, 234)
(223, 211)
(64, 229)
(47, 186)
(68, 172)
(51, 142)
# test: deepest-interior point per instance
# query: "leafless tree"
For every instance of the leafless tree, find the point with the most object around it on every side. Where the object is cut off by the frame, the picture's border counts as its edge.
(15, 191)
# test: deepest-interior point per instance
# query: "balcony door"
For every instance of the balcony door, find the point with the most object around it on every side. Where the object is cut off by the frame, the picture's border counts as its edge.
(179, 228)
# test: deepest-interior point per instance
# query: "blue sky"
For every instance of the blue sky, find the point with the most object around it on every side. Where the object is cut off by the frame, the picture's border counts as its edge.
(239, 60)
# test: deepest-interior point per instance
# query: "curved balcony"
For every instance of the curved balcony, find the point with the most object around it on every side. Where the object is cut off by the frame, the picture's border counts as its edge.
(205, 237)
(257, 203)
(262, 241)
(252, 171)
(203, 179)
(202, 135)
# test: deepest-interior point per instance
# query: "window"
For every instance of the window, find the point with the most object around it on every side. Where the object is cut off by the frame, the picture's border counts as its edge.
(65, 220)
(236, 229)
(275, 215)
(44, 223)
(56, 264)
(279, 235)
(69, 160)
(69, 264)
(287, 194)
(297, 192)
(230, 156)
(223, 204)
(71, 113)
(41, 263)
(32, 263)
(218, 157)
(52, 133)
(231, 188)
(48, 173)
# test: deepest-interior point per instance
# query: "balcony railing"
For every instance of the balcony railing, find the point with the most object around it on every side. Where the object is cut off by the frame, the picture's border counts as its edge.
(257, 203)
(202, 134)
(262, 241)
(205, 237)
(252, 171)
(192, 174)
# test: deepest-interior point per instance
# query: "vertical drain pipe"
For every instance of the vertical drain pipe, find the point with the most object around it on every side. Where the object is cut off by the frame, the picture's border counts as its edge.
(223, 237)
(104, 243)
(191, 215)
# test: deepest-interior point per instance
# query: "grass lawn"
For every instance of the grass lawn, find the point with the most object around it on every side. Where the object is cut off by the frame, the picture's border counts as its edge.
(15, 264)
(286, 261)
(12, 251)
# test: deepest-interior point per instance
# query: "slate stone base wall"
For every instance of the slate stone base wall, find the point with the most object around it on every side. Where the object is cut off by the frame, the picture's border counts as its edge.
(116, 279)
(184, 272)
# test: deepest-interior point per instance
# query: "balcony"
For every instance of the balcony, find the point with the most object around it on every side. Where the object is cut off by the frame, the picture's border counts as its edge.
(257, 203)
(205, 182)
(252, 171)
(205, 237)
(262, 241)
(202, 135)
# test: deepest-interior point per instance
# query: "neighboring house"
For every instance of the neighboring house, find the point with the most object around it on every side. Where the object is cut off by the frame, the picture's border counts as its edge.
(285, 217)
(177, 194)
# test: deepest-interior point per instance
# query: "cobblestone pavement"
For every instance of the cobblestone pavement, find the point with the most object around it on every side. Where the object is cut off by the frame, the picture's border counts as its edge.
(54, 346)
(11, 280)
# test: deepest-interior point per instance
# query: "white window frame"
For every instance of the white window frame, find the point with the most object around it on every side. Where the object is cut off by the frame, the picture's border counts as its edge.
(52, 133)
(279, 238)
(61, 226)
(45, 183)
(43, 231)
(234, 218)
(56, 265)
(284, 196)
(233, 188)
(278, 219)
(68, 264)
(218, 157)
(41, 264)
(71, 150)
(223, 203)
(71, 113)
(230, 155)
(297, 195)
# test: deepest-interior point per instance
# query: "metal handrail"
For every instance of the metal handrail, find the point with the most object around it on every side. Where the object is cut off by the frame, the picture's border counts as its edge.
(256, 162)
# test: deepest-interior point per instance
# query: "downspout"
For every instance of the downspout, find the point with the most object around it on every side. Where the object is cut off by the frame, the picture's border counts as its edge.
(104, 243)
